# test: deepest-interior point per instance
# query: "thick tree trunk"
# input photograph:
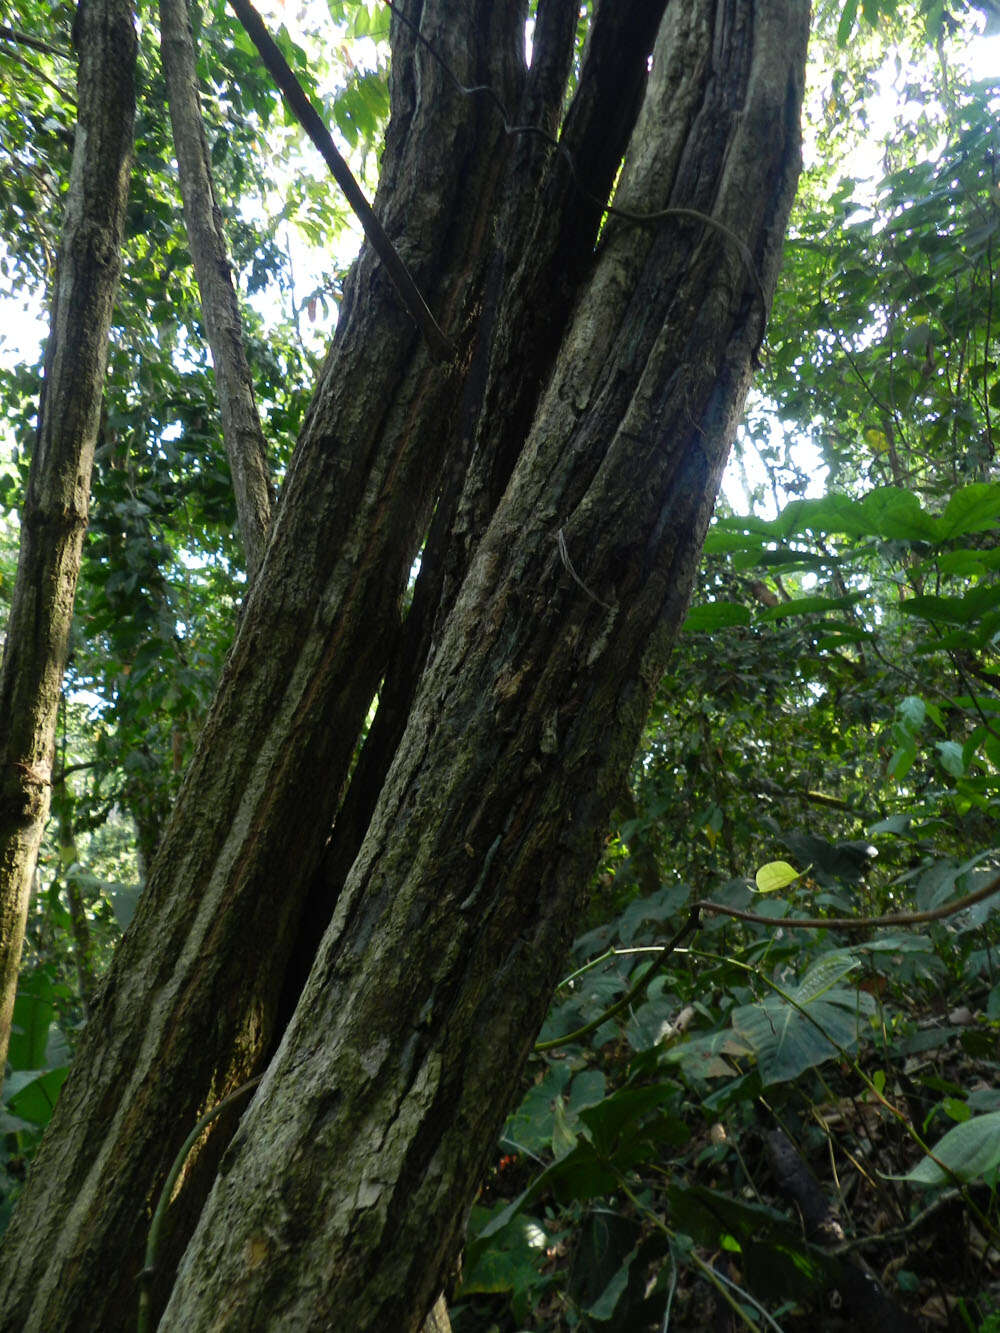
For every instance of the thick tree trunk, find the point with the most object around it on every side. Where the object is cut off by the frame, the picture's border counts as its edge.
(336, 1206)
(188, 1009)
(624, 371)
(54, 517)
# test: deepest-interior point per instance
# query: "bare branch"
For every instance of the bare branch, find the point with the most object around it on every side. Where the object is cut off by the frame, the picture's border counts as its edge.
(310, 120)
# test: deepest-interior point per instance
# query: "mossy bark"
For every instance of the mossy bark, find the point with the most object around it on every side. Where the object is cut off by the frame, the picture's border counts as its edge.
(337, 1201)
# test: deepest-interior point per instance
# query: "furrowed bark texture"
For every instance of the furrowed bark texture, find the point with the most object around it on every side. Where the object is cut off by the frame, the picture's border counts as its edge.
(542, 249)
(188, 1009)
(336, 1204)
(54, 517)
(241, 427)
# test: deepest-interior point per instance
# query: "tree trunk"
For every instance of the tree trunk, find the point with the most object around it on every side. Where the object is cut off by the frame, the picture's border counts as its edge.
(596, 392)
(54, 516)
(241, 427)
(189, 1007)
(336, 1205)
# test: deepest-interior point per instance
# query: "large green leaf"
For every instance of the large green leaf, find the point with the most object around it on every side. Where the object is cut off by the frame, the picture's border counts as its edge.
(36, 1099)
(716, 615)
(974, 508)
(817, 1021)
(970, 1151)
(33, 1014)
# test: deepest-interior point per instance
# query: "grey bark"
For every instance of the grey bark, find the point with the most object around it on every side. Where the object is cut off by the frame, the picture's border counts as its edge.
(434, 974)
(335, 1206)
(54, 515)
(241, 428)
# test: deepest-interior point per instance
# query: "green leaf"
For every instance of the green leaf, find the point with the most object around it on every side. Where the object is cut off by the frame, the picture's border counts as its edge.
(33, 1014)
(36, 1100)
(896, 515)
(715, 615)
(901, 762)
(974, 508)
(588, 1088)
(510, 1263)
(775, 875)
(609, 1119)
(124, 900)
(606, 1304)
(802, 606)
(846, 24)
(725, 543)
(563, 1138)
(789, 1038)
(705, 1057)
(968, 1152)
(953, 610)
(950, 754)
(582, 1174)
(531, 1125)
(911, 711)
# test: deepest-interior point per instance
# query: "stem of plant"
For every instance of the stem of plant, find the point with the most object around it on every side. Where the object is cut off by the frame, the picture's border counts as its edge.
(144, 1324)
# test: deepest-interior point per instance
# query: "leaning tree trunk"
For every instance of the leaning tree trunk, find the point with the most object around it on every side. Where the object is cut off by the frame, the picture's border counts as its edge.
(241, 428)
(617, 376)
(54, 516)
(337, 1205)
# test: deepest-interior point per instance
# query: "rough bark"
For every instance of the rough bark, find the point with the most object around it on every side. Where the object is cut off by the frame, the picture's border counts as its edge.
(241, 429)
(335, 1206)
(542, 249)
(188, 1009)
(54, 516)
(447, 937)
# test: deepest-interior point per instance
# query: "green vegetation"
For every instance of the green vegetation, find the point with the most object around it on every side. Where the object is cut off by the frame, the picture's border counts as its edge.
(780, 1109)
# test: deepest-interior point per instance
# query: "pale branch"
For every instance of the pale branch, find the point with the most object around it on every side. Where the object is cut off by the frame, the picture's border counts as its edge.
(311, 121)
(241, 427)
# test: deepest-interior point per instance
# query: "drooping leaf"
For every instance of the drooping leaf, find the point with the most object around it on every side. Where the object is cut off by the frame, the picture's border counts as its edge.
(968, 1152)
(845, 27)
(33, 1014)
(36, 1099)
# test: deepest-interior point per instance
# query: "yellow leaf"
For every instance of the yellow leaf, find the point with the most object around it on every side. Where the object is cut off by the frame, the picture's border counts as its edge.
(775, 875)
(877, 440)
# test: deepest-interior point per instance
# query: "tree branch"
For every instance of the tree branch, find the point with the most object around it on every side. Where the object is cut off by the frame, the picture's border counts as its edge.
(36, 43)
(856, 922)
(310, 120)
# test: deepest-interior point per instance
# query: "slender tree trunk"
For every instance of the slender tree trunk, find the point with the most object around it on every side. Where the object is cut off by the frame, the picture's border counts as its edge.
(574, 448)
(241, 427)
(54, 517)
